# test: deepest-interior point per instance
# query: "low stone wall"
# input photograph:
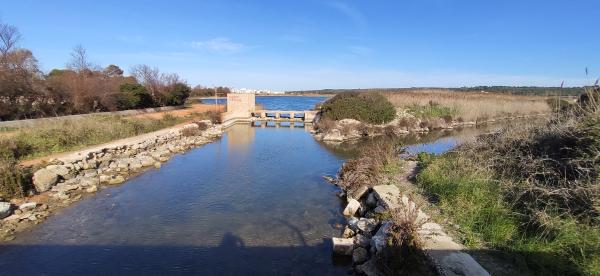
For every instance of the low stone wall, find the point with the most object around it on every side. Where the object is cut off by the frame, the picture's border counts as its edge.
(113, 163)
(65, 180)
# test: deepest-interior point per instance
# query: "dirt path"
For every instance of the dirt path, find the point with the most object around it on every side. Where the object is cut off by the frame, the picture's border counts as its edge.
(195, 108)
(180, 113)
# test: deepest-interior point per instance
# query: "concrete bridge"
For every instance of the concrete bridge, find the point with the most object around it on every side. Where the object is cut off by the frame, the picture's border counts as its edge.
(306, 116)
(242, 108)
(281, 124)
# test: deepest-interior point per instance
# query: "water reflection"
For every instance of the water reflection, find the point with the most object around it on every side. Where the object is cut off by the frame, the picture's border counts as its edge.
(435, 142)
(253, 202)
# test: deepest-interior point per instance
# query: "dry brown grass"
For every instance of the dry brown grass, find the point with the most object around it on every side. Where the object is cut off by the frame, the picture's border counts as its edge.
(472, 106)
(367, 169)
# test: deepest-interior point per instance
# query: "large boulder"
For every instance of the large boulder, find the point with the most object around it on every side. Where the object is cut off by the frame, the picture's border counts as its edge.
(362, 241)
(343, 246)
(380, 239)
(359, 255)
(348, 233)
(146, 160)
(333, 136)
(44, 179)
(27, 206)
(352, 207)
(387, 195)
(5, 209)
(359, 192)
(366, 225)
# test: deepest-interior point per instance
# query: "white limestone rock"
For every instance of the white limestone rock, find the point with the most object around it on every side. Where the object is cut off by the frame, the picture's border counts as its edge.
(343, 246)
(5, 209)
(352, 207)
(27, 206)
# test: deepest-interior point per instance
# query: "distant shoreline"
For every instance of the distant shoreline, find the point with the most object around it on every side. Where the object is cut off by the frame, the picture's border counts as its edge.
(268, 95)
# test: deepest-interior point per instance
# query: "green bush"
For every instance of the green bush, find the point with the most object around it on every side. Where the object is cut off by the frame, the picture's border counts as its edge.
(134, 96)
(14, 180)
(177, 94)
(433, 110)
(366, 107)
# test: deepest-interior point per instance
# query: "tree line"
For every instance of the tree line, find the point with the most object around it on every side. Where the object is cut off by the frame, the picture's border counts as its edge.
(515, 90)
(82, 87)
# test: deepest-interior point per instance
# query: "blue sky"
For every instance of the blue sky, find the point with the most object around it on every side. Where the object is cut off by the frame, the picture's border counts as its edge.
(287, 45)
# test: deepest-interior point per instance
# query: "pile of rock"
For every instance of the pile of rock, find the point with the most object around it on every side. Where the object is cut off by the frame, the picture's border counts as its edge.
(366, 233)
(114, 163)
(13, 216)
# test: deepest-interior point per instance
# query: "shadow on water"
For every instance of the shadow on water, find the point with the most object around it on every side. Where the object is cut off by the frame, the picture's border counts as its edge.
(231, 257)
(253, 202)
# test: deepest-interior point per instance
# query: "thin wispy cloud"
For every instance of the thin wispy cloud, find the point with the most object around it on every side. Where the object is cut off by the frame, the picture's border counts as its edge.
(219, 45)
(351, 12)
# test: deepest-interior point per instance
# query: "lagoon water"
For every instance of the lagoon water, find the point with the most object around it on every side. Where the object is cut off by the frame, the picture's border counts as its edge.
(253, 202)
(279, 102)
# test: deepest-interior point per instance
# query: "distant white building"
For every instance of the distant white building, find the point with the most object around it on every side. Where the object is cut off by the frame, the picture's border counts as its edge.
(255, 91)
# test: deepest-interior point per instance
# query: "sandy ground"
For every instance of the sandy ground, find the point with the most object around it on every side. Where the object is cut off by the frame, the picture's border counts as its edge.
(195, 108)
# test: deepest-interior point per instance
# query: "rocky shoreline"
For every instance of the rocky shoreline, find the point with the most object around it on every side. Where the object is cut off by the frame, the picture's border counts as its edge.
(367, 232)
(63, 181)
(405, 123)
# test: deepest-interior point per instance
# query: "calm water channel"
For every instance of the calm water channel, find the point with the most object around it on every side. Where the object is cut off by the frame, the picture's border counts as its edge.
(253, 202)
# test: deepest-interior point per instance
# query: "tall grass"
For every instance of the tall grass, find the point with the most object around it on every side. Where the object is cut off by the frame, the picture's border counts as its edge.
(367, 170)
(71, 134)
(470, 106)
(532, 191)
(60, 136)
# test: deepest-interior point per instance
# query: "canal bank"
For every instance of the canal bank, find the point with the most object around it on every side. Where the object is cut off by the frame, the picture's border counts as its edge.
(234, 206)
(237, 203)
(64, 180)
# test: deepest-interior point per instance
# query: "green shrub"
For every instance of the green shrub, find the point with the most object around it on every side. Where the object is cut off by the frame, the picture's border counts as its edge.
(366, 107)
(433, 110)
(134, 96)
(177, 94)
(14, 180)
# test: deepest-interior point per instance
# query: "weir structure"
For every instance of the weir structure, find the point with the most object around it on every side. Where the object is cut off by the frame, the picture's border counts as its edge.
(241, 107)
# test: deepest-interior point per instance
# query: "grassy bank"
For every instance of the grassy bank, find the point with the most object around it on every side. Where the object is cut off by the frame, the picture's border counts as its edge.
(68, 135)
(532, 193)
(466, 106)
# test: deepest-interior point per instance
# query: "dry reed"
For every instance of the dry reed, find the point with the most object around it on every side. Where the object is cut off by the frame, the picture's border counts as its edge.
(472, 106)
